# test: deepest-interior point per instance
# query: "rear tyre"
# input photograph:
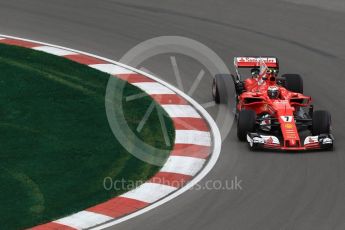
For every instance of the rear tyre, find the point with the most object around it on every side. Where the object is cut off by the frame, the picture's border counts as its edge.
(221, 88)
(245, 123)
(215, 92)
(321, 123)
(293, 83)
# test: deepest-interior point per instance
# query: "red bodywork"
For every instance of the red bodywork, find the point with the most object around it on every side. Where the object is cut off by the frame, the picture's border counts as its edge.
(280, 120)
(255, 98)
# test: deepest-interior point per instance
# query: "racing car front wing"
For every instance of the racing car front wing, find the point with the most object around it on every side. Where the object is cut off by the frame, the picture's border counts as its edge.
(258, 141)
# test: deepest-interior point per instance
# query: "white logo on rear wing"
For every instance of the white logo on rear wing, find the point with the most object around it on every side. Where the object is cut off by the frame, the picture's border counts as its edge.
(252, 62)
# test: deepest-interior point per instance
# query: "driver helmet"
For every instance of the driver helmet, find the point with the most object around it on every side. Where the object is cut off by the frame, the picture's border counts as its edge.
(273, 92)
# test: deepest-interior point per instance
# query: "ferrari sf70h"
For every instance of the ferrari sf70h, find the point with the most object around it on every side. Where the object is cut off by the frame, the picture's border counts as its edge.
(272, 112)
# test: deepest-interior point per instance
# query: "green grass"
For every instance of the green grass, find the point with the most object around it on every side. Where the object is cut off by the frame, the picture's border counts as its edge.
(56, 146)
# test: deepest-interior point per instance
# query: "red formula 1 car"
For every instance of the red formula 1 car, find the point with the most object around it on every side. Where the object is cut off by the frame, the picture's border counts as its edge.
(271, 111)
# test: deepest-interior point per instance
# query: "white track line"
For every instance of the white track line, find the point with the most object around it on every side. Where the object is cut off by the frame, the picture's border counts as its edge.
(153, 88)
(193, 137)
(111, 69)
(149, 192)
(183, 165)
(181, 111)
(54, 50)
(83, 219)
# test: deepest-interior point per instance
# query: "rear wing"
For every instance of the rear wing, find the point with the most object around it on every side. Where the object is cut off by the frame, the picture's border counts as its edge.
(255, 62)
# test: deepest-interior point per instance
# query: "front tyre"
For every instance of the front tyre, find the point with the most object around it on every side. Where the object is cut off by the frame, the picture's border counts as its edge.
(246, 123)
(321, 123)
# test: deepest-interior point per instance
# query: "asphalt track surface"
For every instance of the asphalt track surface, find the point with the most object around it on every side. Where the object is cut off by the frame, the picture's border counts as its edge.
(279, 190)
